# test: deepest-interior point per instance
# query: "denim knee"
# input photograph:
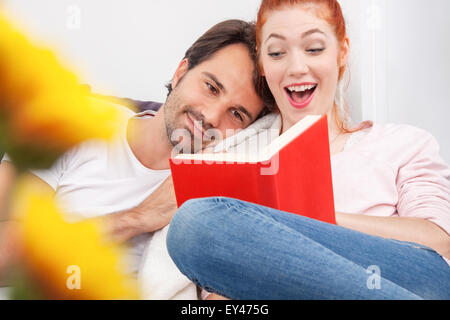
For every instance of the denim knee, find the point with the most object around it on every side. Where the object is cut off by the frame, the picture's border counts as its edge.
(185, 238)
(186, 218)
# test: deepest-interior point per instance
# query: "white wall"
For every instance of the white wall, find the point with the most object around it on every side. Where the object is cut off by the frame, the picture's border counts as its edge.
(126, 47)
(399, 67)
(418, 66)
(400, 63)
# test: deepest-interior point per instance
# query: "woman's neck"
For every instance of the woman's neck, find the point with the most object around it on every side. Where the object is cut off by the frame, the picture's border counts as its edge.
(337, 136)
(334, 130)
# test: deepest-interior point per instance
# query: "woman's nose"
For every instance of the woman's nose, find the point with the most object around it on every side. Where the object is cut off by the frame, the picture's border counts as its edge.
(297, 65)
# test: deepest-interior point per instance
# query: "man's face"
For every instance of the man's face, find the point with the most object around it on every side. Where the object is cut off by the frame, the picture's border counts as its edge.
(217, 96)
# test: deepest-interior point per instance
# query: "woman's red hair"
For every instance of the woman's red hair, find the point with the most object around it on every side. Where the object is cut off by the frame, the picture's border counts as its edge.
(332, 14)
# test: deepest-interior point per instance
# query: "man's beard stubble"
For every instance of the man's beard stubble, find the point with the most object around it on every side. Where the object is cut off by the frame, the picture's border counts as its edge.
(179, 135)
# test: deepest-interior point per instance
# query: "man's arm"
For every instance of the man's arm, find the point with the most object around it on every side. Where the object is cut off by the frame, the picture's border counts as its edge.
(10, 246)
(7, 177)
(7, 247)
(154, 213)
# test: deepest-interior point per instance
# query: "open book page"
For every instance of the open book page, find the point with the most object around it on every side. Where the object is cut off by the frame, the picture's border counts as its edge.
(290, 135)
(257, 143)
(256, 136)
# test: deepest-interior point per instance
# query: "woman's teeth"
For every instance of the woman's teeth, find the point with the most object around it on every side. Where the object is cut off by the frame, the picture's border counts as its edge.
(299, 94)
(301, 88)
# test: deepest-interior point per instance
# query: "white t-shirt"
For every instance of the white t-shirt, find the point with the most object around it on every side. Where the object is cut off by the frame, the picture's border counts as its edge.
(100, 177)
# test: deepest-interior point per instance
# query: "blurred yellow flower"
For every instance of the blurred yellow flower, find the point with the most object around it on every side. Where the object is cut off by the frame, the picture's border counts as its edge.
(68, 260)
(43, 109)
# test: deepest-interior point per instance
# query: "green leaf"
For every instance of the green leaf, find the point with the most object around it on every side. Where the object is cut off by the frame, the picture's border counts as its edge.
(23, 288)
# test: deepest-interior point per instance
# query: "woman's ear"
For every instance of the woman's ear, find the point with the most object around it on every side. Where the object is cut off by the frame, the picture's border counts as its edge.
(180, 72)
(344, 53)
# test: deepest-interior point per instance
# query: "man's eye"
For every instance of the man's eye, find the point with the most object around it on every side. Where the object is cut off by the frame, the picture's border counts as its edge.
(211, 88)
(238, 115)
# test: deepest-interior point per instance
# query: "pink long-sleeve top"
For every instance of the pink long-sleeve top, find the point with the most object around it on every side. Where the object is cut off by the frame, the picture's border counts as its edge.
(393, 170)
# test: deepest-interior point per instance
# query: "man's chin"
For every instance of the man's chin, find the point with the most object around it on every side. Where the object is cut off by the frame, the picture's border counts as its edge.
(185, 142)
(192, 148)
(188, 147)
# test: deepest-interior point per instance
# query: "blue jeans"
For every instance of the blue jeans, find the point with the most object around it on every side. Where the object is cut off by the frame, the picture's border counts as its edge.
(245, 251)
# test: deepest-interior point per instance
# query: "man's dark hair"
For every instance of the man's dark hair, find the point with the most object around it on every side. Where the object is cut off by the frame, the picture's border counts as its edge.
(222, 35)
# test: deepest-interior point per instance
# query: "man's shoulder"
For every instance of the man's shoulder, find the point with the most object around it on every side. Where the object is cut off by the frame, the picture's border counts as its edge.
(99, 150)
(137, 106)
(128, 110)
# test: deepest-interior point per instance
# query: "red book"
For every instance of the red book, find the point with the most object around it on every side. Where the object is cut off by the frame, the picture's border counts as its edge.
(292, 174)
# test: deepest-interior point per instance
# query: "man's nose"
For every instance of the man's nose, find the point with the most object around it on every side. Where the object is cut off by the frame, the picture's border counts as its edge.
(212, 115)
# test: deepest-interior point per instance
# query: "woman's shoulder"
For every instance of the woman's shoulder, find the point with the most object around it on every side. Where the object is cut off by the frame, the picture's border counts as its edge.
(394, 143)
(392, 129)
(393, 134)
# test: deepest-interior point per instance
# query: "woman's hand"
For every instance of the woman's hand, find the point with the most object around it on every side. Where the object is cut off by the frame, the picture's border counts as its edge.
(416, 230)
(214, 296)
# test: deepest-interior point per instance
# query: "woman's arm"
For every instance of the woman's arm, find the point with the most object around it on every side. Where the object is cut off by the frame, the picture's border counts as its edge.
(416, 230)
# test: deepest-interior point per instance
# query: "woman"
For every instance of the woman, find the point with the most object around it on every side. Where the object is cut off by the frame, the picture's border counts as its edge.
(391, 190)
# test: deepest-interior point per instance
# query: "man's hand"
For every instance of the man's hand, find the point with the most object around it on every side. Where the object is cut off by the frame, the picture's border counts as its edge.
(158, 209)
(154, 213)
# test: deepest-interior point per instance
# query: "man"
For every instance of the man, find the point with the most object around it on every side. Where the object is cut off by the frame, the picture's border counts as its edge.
(127, 182)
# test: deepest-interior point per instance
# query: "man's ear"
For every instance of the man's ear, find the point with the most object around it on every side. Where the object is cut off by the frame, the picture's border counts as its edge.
(180, 72)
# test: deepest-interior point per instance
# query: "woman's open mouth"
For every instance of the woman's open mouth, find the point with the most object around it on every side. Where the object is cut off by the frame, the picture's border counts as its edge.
(301, 95)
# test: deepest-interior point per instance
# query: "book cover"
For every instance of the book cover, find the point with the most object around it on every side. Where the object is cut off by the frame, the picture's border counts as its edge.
(292, 174)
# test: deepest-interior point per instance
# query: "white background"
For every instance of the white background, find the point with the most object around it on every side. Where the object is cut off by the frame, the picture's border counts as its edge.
(399, 68)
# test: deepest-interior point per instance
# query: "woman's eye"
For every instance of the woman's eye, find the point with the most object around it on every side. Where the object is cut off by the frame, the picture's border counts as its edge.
(275, 54)
(316, 50)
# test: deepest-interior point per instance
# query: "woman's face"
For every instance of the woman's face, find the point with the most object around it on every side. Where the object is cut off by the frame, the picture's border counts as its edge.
(299, 55)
